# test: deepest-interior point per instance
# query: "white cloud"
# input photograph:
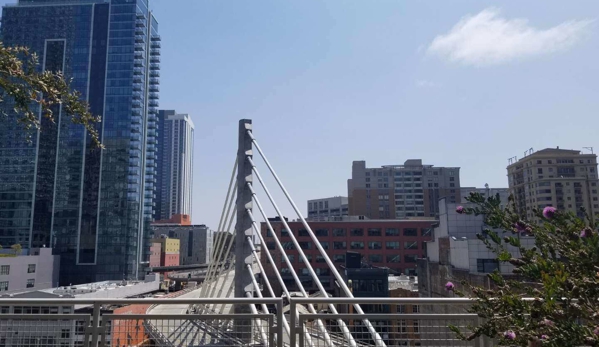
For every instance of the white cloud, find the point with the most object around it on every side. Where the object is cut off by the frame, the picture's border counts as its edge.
(489, 39)
(427, 84)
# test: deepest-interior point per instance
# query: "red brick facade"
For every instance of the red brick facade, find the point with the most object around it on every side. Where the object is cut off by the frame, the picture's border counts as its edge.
(383, 243)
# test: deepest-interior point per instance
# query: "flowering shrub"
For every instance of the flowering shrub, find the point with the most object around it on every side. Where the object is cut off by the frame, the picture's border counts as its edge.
(552, 297)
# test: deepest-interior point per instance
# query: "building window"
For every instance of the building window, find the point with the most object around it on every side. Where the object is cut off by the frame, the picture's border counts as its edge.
(270, 245)
(375, 258)
(302, 232)
(393, 258)
(338, 232)
(356, 245)
(339, 258)
(410, 245)
(65, 334)
(30, 283)
(324, 245)
(374, 245)
(4, 286)
(284, 232)
(31, 268)
(374, 232)
(357, 232)
(5, 270)
(339, 245)
(426, 231)
(410, 232)
(291, 258)
(401, 308)
(410, 258)
(415, 309)
(305, 245)
(392, 244)
(392, 232)
(322, 232)
(308, 256)
(320, 259)
(486, 265)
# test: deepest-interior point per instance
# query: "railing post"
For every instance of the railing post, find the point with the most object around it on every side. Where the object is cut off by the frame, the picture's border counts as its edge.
(95, 328)
(280, 318)
(243, 229)
(292, 329)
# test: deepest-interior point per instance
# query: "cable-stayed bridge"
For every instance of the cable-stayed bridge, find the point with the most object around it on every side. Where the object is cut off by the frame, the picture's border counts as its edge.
(230, 307)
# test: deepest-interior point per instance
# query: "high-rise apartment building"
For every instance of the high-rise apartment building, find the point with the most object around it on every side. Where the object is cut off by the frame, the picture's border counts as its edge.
(401, 191)
(175, 165)
(328, 208)
(92, 206)
(564, 179)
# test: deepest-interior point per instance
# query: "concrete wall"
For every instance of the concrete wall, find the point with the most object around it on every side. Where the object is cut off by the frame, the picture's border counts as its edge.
(459, 254)
(45, 275)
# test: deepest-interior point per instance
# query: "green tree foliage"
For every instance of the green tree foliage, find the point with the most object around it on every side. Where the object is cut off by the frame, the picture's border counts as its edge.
(22, 83)
(553, 297)
(16, 248)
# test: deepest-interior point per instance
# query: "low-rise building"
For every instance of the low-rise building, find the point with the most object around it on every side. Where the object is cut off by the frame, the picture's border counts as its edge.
(456, 254)
(391, 244)
(195, 241)
(70, 332)
(30, 269)
(327, 208)
(169, 250)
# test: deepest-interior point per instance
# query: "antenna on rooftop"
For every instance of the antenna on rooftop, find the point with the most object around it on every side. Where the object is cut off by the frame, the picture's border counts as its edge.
(589, 148)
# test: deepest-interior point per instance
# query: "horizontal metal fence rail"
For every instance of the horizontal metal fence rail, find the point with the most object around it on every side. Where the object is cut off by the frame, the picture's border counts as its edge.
(425, 324)
(415, 328)
(99, 328)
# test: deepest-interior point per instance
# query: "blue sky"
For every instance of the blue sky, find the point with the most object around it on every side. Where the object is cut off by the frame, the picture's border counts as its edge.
(456, 83)
(328, 82)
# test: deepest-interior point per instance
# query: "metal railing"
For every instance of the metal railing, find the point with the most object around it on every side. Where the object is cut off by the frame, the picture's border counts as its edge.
(174, 322)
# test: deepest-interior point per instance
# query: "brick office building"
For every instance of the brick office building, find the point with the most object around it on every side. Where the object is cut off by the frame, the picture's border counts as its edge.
(393, 244)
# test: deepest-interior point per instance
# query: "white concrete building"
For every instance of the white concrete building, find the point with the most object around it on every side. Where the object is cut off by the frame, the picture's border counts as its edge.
(32, 269)
(320, 210)
(67, 332)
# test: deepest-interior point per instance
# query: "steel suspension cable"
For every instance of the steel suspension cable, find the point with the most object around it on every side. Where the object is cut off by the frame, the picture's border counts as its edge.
(290, 266)
(338, 277)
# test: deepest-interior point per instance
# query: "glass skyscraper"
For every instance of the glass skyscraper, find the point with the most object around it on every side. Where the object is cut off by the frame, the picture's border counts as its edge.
(175, 164)
(92, 206)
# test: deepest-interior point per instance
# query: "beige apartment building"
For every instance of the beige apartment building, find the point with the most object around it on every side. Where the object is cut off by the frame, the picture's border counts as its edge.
(564, 179)
(401, 191)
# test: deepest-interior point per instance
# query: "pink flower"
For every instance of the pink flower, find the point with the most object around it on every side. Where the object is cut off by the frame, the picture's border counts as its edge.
(549, 212)
(586, 232)
(510, 335)
(544, 337)
(596, 331)
(449, 286)
(520, 226)
(459, 209)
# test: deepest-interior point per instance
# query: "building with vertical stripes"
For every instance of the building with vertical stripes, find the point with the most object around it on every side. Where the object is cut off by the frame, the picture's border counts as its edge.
(175, 165)
(92, 206)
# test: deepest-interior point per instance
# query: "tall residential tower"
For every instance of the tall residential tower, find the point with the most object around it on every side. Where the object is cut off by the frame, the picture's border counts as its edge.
(92, 206)
(562, 178)
(401, 191)
(175, 165)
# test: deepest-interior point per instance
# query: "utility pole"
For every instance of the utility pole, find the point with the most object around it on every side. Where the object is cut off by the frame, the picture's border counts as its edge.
(243, 229)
